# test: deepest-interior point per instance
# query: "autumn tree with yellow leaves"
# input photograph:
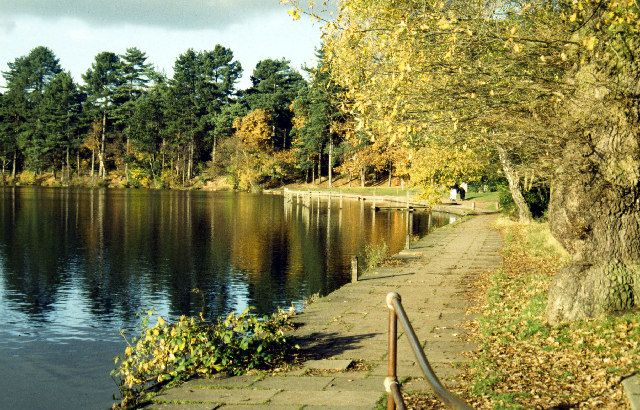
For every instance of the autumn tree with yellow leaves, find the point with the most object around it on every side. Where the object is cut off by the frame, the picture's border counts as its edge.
(549, 90)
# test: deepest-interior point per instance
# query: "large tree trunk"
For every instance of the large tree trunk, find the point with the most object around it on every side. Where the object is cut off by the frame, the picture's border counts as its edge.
(68, 165)
(13, 165)
(190, 165)
(213, 153)
(163, 160)
(102, 171)
(595, 214)
(126, 161)
(524, 214)
(330, 162)
(320, 166)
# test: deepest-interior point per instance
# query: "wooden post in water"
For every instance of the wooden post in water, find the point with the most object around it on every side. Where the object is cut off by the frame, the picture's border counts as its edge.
(374, 201)
(473, 205)
(341, 201)
(407, 244)
(354, 269)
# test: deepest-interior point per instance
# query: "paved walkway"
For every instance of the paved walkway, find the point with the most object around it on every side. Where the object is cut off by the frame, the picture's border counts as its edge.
(350, 324)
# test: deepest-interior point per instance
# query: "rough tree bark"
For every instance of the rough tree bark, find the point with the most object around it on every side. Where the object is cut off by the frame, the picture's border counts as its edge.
(524, 213)
(595, 214)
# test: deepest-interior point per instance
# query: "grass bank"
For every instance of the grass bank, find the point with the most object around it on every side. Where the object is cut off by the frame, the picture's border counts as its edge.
(522, 361)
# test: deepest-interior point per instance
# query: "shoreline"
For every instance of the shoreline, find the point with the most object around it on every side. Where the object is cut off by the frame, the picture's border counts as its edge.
(343, 335)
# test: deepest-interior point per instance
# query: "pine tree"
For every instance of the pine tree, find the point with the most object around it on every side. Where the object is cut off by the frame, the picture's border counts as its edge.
(60, 112)
(102, 81)
(26, 80)
(274, 86)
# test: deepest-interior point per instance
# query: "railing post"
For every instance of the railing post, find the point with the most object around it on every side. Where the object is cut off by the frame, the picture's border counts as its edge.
(397, 312)
(354, 269)
(407, 244)
(392, 377)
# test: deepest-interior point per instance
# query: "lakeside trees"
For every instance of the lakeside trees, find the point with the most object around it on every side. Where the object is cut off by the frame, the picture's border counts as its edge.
(548, 90)
(129, 125)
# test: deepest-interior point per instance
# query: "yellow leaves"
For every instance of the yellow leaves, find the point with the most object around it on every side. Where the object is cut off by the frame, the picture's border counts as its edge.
(160, 322)
(580, 362)
(443, 24)
(589, 42)
(255, 128)
(404, 66)
(573, 17)
(294, 13)
(517, 48)
(127, 351)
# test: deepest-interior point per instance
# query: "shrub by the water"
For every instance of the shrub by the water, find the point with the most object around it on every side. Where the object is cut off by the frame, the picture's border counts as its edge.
(167, 352)
(374, 255)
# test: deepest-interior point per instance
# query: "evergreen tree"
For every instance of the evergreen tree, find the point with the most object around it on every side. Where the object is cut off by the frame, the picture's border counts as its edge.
(136, 76)
(148, 127)
(26, 80)
(60, 112)
(202, 84)
(102, 82)
(7, 139)
(274, 86)
(317, 108)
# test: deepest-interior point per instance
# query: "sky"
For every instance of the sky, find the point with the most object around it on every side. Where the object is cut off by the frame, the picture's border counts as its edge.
(77, 30)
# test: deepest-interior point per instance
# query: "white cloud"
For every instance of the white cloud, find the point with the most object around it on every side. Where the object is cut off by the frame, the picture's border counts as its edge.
(174, 14)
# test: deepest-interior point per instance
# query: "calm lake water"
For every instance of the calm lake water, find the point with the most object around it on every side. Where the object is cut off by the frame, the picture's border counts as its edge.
(78, 265)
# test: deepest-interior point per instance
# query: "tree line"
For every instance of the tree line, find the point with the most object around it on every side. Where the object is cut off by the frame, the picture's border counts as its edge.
(129, 125)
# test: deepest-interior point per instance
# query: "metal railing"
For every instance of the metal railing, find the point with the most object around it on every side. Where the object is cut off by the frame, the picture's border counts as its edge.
(394, 396)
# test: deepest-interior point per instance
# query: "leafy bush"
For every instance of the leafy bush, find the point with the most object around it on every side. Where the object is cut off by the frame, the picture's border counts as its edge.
(27, 178)
(374, 255)
(167, 352)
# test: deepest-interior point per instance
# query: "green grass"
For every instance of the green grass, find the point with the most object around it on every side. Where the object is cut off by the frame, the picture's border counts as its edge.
(482, 196)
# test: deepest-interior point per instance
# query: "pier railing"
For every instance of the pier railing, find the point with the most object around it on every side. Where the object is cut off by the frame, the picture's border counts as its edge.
(394, 395)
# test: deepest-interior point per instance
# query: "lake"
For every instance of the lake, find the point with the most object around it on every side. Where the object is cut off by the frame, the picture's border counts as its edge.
(78, 265)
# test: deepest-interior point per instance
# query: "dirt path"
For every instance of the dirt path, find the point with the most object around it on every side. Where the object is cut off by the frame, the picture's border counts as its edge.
(351, 323)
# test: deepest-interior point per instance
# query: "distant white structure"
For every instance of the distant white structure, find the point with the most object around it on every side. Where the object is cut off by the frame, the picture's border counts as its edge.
(453, 194)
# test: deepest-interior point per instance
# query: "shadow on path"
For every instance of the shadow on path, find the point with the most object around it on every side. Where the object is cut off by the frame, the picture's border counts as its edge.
(374, 277)
(319, 345)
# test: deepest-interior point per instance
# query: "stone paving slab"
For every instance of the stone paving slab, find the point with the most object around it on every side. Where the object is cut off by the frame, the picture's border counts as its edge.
(328, 364)
(351, 325)
(345, 398)
(295, 383)
(220, 396)
(183, 406)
